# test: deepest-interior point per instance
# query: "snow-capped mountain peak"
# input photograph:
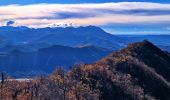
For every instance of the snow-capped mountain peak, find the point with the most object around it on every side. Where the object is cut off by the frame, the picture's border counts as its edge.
(54, 25)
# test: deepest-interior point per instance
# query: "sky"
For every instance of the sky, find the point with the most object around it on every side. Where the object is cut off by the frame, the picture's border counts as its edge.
(114, 16)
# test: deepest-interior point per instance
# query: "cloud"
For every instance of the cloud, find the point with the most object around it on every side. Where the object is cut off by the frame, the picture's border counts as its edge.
(9, 23)
(168, 28)
(85, 14)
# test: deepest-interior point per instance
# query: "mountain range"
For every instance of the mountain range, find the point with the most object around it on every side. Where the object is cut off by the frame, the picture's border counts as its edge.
(36, 38)
(21, 63)
(41, 50)
(67, 36)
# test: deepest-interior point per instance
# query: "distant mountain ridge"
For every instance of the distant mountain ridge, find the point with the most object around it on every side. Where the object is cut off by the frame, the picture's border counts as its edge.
(45, 60)
(67, 36)
(74, 37)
